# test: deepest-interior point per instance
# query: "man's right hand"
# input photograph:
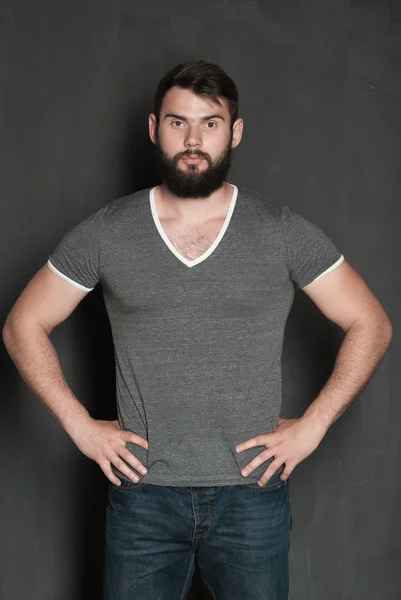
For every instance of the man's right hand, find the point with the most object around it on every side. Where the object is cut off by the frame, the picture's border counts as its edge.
(105, 443)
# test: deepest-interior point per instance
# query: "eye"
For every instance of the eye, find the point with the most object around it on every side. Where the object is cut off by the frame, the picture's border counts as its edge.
(212, 123)
(174, 123)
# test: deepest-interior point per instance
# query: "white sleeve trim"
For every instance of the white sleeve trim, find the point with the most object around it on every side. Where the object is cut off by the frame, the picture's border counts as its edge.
(336, 264)
(57, 272)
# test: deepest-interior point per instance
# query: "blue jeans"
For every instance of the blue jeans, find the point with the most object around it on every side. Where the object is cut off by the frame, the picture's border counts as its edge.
(238, 535)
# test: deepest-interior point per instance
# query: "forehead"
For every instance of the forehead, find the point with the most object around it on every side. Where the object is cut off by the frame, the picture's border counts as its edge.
(185, 102)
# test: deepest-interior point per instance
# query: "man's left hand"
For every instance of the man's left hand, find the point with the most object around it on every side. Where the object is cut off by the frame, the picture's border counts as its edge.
(291, 442)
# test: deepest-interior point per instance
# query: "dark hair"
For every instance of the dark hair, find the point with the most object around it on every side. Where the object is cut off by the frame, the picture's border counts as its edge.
(204, 79)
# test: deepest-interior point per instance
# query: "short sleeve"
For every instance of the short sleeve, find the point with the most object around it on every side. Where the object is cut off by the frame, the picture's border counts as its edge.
(310, 253)
(76, 257)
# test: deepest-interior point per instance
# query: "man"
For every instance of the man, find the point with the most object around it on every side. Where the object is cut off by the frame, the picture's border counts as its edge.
(198, 278)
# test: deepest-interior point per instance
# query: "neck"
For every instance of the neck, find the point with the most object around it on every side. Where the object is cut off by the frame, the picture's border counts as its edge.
(193, 208)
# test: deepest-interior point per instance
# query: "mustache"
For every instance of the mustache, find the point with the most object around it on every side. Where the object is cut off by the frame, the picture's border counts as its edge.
(191, 153)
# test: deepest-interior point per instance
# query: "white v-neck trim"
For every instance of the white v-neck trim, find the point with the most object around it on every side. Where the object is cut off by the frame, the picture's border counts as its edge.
(202, 257)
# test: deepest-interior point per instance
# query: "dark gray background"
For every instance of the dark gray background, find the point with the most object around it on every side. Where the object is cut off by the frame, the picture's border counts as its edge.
(319, 85)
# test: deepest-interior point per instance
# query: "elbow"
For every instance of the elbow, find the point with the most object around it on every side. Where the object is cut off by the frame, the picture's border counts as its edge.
(6, 328)
(10, 329)
(6, 334)
(377, 324)
(7, 331)
(388, 329)
(384, 328)
(18, 326)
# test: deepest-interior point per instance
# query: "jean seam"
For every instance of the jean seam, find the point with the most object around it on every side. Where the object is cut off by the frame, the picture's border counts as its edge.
(209, 588)
(186, 578)
(203, 536)
(195, 520)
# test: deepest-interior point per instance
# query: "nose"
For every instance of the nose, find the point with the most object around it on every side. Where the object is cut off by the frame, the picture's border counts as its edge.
(193, 138)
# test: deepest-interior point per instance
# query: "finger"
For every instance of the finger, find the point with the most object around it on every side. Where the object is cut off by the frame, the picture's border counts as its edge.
(132, 460)
(260, 440)
(273, 467)
(106, 468)
(134, 438)
(120, 464)
(287, 472)
(258, 460)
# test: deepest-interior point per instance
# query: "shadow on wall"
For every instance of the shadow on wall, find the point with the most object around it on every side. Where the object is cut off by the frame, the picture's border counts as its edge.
(137, 170)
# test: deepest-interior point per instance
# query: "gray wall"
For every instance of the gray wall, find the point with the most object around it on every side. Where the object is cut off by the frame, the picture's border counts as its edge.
(320, 84)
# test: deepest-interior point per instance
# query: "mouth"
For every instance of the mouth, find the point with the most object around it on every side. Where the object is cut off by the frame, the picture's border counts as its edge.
(192, 160)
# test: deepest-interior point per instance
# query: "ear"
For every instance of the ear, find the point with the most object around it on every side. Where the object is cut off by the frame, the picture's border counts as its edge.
(237, 132)
(152, 127)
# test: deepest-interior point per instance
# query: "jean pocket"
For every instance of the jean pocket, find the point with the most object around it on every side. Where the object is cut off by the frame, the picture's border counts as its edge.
(128, 486)
(268, 487)
(273, 484)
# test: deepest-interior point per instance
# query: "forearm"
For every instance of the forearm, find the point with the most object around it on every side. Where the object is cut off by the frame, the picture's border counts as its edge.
(363, 347)
(38, 364)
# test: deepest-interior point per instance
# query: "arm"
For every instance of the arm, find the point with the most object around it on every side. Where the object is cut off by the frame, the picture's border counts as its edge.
(344, 298)
(46, 301)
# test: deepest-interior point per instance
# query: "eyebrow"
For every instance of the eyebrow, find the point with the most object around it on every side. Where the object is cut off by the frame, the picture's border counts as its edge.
(181, 118)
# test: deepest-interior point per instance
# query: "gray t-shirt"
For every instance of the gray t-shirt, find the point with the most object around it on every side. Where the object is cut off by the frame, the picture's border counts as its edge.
(198, 343)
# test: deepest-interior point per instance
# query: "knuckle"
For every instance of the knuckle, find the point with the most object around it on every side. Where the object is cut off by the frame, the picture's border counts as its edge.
(121, 441)
(110, 455)
(116, 439)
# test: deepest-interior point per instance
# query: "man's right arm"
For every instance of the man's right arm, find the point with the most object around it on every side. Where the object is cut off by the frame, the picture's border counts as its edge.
(47, 301)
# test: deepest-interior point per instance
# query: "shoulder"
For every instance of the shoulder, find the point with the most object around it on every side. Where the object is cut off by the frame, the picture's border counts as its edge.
(125, 206)
(261, 204)
(121, 214)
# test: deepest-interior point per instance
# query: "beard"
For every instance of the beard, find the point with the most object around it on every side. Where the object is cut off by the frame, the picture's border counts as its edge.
(192, 183)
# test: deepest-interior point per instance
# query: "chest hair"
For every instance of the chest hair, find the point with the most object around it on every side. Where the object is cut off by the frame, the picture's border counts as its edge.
(192, 241)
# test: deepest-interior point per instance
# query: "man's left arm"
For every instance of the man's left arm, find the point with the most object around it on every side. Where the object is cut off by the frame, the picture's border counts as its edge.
(344, 298)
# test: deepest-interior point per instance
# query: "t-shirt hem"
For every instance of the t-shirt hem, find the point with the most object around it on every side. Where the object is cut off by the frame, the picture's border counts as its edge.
(217, 481)
(321, 272)
(51, 264)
